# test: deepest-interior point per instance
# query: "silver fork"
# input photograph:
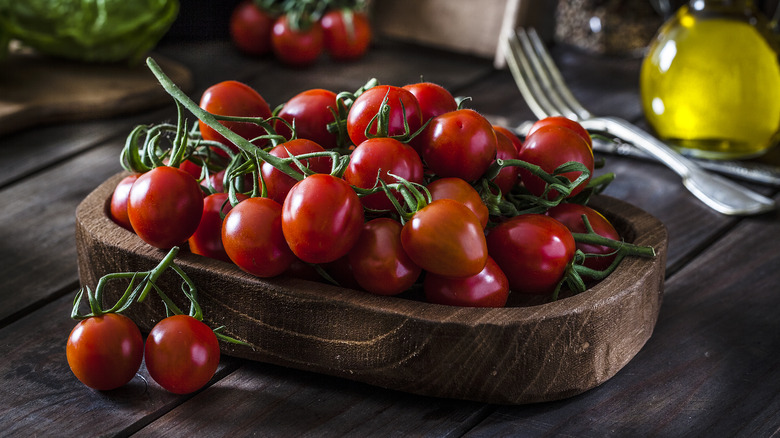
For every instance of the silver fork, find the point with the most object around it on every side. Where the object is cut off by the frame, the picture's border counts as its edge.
(543, 88)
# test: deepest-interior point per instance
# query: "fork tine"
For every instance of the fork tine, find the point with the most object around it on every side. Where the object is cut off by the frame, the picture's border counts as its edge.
(560, 93)
(526, 81)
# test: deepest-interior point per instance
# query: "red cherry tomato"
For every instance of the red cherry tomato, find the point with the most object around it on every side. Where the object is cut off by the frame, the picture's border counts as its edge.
(277, 183)
(296, 47)
(510, 135)
(434, 99)
(461, 191)
(446, 238)
(549, 147)
(403, 106)
(379, 263)
(233, 98)
(533, 250)
(164, 206)
(181, 354)
(321, 218)
(347, 34)
(505, 150)
(207, 239)
(250, 28)
(489, 288)
(104, 352)
(459, 144)
(388, 156)
(311, 112)
(253, 239)
(563, 122)
(571, 216)
(118, 207)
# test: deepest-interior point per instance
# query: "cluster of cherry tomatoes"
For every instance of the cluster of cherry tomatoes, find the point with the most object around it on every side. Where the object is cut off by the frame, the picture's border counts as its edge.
(297, 33)
(384, 190)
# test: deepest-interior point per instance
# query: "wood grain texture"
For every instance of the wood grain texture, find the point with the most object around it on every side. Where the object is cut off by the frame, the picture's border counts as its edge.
(511, 355)
(36, 89)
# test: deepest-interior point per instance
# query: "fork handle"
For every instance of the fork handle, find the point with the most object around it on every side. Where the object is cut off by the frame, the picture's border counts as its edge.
(719, 193)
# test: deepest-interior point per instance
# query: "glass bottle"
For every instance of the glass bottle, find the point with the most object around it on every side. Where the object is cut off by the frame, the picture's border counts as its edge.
(710, 82)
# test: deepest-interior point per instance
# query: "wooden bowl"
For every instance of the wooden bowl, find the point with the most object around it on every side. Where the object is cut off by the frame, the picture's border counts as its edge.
(512, 355)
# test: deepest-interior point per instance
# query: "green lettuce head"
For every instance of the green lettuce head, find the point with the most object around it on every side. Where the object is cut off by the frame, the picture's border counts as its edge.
(87, 30)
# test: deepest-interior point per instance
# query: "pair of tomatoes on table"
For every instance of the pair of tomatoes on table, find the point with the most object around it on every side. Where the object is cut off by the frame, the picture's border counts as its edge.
(388, 189)
(297, 33)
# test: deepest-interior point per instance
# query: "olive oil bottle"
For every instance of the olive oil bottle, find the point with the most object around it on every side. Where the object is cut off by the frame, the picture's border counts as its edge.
(710, 81)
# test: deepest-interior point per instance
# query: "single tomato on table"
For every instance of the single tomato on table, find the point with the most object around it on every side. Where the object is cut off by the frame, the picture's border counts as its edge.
(296, 44)
(346, 34)
(250, 28)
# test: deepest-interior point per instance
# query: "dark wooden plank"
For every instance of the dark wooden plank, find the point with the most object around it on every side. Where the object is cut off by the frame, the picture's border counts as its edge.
(40, 396)
(267, 400)
(711, 367)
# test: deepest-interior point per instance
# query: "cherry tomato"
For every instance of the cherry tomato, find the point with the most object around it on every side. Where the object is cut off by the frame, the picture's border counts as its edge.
(403, 106)
(253, 239)
(459, 144)
(181, 353)
(321, 218)
(461, 191)
(379, 263)
(564, 122)
(571, 216)
(105, 352)
(510, 135)
(233, 98)
(549, 147)
(446, 238)
(164, 206)
(296, 47)
(388, 156)
(489, 288)
(207, 239)
(250, 28)
(533, 250)
(191, 168)
(505, 150)
(434, 99)
(278, 184)
(347, 34)
(118, 206)
(311, 112)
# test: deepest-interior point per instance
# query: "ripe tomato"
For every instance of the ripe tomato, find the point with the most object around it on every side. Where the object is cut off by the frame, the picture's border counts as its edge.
(250, 28)
(446, 238)
(347, 34)
(434, 99)
(311, 112)
(459, 144)
(321, 218)
(571, 216)
(461, 191)
(207, 239)
(505, 150)
(510, 135)
(182, 354)
(233, 98)
(549, 147)
(253, 239)
(164, 206)
(296, 47)
(403, 107)
(118, 207)
(379, 263)
(564, 122)
(489, 288)
(105, 352)
(278, 184)
(386, 155)
(533, 250)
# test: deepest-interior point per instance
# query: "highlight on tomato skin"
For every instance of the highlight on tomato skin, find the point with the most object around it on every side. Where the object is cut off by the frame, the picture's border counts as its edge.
(488, 288)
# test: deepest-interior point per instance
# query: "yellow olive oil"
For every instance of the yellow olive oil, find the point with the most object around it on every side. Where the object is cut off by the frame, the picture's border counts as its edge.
(710, 82)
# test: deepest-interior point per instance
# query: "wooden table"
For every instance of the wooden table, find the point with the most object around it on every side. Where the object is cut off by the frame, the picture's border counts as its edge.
(711, 368)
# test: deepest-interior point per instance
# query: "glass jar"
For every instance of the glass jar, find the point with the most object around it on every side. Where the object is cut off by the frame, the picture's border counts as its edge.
(710, 81)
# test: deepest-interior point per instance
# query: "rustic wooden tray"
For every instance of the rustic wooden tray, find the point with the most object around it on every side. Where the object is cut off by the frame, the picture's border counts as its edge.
(512, 355)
